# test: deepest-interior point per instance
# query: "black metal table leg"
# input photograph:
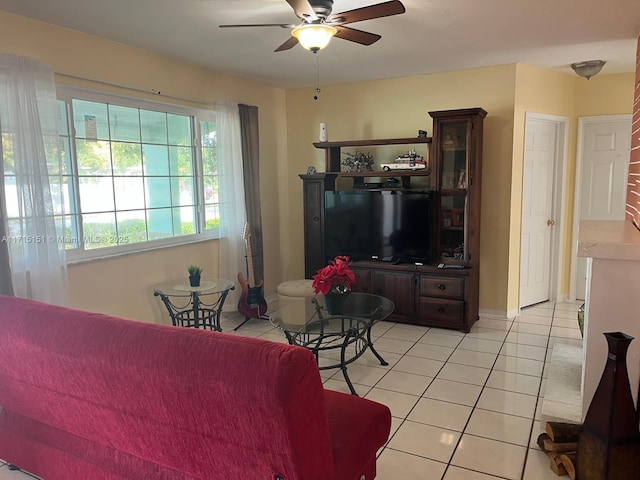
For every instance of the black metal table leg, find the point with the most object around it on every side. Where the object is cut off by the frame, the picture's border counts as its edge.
(370, 345)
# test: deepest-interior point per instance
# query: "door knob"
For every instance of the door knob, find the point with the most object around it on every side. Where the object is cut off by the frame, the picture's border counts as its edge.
(550, 222)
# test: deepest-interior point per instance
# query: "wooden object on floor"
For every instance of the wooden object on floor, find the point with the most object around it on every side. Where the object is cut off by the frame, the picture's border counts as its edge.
(560, 432)
(556, 465)
(568, 461)
(551, 446)
(562, 455)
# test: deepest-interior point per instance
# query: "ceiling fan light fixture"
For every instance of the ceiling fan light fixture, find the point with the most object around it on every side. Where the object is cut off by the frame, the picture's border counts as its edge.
(588, 69)
(314, 36)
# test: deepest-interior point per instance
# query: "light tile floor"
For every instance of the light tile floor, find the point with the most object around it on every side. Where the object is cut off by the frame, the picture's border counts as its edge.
(464, 407)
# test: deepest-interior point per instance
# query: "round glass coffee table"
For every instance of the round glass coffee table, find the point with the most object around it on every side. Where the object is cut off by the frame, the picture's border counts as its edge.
(197, 307)
(347, 331)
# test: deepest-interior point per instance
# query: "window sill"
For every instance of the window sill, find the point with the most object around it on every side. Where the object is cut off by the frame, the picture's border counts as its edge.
(100, 254)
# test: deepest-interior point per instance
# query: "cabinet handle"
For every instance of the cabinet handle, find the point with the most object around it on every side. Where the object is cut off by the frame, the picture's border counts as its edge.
(316, 219)
(440, 309)
(441, 286)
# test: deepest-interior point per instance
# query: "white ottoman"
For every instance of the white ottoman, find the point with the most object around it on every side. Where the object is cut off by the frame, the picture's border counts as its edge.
(293, 290)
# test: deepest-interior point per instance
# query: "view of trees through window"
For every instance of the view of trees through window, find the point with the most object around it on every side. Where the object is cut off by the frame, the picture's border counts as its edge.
(129, 174)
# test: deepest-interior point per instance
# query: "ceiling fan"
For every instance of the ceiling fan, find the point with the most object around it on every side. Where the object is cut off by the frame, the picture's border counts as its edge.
(319, 24)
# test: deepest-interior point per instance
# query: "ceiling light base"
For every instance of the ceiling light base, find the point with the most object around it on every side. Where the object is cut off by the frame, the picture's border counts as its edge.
(589, 68)
(314, 36)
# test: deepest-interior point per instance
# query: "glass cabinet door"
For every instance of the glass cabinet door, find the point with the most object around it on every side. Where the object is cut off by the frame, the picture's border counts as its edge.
(452, 227)
(453, 175)
(454, 156)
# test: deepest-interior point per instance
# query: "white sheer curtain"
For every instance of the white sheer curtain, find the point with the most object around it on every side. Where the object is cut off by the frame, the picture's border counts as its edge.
(232, 204)
(33, 188)
(6, 284)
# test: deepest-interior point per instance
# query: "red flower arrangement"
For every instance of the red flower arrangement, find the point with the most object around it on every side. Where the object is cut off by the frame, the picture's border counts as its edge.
(336, 277)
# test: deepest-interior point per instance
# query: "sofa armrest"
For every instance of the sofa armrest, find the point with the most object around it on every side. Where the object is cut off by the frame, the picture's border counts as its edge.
(358, 428)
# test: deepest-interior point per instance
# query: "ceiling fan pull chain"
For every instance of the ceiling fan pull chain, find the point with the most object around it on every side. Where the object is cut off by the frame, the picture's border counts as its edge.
(315, 97)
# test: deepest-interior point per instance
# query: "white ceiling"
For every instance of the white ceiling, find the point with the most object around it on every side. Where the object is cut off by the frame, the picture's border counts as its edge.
(432, 36)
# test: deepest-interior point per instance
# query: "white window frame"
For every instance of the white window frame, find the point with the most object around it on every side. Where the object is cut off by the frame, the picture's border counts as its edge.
(78, 255)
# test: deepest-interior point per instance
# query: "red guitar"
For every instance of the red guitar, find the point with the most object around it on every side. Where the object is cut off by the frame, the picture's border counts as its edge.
(252, 303)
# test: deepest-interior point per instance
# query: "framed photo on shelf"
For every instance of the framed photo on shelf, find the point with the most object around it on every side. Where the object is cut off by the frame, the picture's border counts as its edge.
(448, 140)
(457, 217)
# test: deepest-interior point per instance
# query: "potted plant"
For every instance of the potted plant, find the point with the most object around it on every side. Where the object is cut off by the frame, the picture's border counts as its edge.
(333, 281)
(194, 275)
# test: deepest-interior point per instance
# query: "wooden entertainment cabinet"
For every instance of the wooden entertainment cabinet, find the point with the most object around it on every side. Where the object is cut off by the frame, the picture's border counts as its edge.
(422, 294)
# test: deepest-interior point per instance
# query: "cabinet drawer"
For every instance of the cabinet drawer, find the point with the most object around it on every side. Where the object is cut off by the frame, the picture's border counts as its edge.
(449, 287)
(436, 309)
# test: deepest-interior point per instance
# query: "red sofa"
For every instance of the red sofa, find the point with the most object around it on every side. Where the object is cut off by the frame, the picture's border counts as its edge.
(88, 396)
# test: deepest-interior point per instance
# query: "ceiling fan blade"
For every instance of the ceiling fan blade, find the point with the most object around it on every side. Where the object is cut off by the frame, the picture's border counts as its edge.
(386, 9)
(357, 36)
(303, 9)
(281, 25)
(292, 42)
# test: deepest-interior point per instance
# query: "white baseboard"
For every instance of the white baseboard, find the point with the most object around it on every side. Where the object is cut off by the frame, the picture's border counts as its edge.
(496, 314)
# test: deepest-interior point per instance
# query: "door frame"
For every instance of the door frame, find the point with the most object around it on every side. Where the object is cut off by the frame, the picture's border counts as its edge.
(582, 124)
(558, 201)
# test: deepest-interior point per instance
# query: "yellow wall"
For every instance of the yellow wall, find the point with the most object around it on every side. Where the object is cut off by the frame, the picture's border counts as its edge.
(605, 95)
(123, 286)
(398, 108)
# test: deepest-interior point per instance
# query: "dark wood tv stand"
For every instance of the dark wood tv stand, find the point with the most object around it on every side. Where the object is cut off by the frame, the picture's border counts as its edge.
(422, 294)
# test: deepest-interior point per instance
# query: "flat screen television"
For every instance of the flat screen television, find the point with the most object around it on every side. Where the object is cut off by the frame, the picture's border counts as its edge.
(379, 225)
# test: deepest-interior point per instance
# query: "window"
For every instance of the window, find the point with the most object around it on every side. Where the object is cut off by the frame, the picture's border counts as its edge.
(136, 174)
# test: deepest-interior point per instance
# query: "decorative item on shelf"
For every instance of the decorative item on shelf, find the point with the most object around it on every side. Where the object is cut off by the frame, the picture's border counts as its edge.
(448, 140)
(323, 132)
(358, 162)
(462, 180)
(409, 161)
(609, 443)
(393, 182)
(457, 217)
(422, 134)
(456, 253)
(334, 280)
(311, 170)
(194, 275)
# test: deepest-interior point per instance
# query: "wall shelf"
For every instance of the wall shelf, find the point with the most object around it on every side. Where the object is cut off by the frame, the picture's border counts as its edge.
(391, 173)
(378, 141)
(332, 151)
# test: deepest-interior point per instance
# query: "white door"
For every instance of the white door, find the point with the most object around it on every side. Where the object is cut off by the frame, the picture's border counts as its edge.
(540, 151)
(603, 165)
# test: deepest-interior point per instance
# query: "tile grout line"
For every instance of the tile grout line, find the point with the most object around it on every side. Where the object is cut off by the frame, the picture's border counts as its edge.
(533, 422)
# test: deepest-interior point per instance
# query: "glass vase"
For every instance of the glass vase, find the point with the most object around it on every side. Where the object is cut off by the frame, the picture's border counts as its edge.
(333, 302)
